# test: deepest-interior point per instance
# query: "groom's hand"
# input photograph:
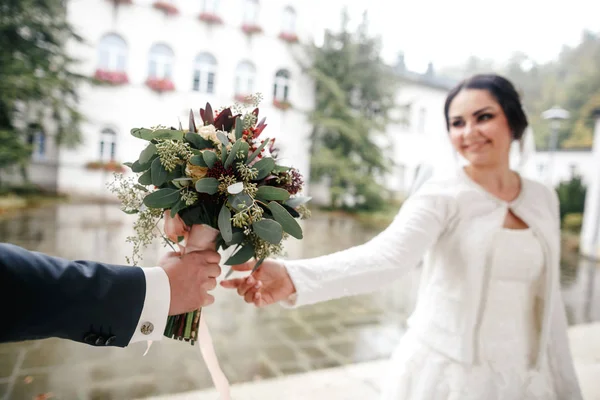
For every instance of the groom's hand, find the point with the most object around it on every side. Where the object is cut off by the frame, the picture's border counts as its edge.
(191, 276)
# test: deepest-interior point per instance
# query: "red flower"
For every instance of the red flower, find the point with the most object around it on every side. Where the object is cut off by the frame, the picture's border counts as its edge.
(288, 37)
(250, 29)
(112, 77)
(282, 105)
(168, 8)
(210, 18)
(242, 98)
(160, 85)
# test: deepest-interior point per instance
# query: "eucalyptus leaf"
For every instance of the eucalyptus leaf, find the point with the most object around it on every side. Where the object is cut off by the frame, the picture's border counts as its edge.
(181, 182)
(241, 201)
(223, 138)
(257, 151)
(236, 238)
(140, 187)
(137, 167)
(224, 222)
(224, 153)
(297, 201)
(198, 161)
(167, 134)
(268, 230)
(287, 222)
(232, 155)
(242, 255)
(147, 153)
(239, 128)
(162, 198)
(141, 133)
(159, 173)
(128, 164)
(264, 167)
(210, 158)
(198, 141)
(180, 205)
(131, 212)
(207, 185)
(268, 193)
(146, 178)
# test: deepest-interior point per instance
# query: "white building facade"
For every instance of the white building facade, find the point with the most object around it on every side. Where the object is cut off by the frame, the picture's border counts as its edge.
(162, 58)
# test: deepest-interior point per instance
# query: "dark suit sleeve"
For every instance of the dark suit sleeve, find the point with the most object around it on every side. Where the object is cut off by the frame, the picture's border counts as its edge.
(85, 301)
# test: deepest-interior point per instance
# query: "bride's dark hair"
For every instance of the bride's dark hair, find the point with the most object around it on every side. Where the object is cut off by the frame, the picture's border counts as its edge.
(505, 94)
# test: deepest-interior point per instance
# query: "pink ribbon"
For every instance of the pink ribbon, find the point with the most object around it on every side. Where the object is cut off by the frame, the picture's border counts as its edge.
(199, 238)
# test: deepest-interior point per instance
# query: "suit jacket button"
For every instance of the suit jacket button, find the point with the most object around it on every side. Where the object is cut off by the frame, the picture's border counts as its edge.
(147, 328)
(90, 338)
(110, 340)
(100, 341)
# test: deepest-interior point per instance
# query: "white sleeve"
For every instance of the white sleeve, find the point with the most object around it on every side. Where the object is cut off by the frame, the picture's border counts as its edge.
(380, 261)
(156, 306)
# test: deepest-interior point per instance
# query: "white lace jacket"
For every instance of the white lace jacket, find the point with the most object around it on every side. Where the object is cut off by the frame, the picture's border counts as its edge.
(449, 223)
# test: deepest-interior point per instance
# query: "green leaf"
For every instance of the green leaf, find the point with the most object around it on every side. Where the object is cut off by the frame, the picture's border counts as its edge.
(224, 222)
(181, 182)
(297, 201)
(244, 148)
(237, 238)
(146, 178)
(242, 255)
(223, 138)
(198, 160)
(198, 141)
(241, 201)
(288, 223)
(128, 164)
(210, 158)
(167, 134)
(159, 173)
(268, 230)
(232, 155)
(264, 167)
(269, 193)
(239, 128)
(141, 133)
(137, 167)
(224, 154)
(147, 153)
(140, 187)
(180, 205)
(131, 212)
(207, 185)
(281, 168)
(162, 198)
(257, 151)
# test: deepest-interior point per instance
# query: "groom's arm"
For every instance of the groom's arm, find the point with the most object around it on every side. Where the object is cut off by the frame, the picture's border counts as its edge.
(85, 301)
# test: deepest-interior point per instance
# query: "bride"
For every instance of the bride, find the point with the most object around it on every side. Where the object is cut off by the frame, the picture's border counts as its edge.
(489, 321)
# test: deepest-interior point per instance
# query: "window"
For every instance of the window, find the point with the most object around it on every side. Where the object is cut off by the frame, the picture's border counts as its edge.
(160, 63)
(422, 119)
(404, 112)
(112, 53)
(289, 20)
(244, 78)
(250, 12)
(205, 68)
(281, 87)
(108, 145)
(37, 140)
(210, 6)
(573, 169)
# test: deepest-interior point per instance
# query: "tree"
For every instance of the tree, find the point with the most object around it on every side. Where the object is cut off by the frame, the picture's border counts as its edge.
(36, 82)
(354, 93)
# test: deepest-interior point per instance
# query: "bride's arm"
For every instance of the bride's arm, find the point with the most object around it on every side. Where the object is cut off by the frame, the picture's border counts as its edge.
(368, 267)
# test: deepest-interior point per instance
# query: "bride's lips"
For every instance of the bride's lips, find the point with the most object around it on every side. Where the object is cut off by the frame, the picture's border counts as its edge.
(475, 146)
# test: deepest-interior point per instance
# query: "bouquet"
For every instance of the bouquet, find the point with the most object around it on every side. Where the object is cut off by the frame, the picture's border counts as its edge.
(218, 182)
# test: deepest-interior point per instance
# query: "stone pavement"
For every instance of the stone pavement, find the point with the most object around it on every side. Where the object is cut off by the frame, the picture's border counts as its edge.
(362, 381)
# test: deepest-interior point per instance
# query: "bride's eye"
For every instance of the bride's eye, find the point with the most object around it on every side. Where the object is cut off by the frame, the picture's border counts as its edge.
(457, 123)
(485, 117)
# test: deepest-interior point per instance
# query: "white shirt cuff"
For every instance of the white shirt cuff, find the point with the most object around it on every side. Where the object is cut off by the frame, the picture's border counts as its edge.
(153, 319)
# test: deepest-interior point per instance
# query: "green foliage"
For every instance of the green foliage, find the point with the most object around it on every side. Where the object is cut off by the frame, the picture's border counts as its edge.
(571, 195)
(354, 94)
(36, 85)
(573, 222)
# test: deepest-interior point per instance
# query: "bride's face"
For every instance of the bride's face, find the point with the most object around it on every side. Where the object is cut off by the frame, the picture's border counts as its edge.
(479, 130)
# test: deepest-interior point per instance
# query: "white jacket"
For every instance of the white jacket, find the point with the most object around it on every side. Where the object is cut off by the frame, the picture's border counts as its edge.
(449, 223)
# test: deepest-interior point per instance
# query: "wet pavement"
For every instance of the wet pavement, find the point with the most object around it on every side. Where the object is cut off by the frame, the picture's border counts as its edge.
(252, 344)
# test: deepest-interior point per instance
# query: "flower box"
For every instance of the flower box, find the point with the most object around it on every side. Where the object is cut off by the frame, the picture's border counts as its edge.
(110, 166)
(282, 104)
(288, 37)
(160, 85)
(112, 77)
(251, 29)
(121, 2)
(210, 18)
(166, 7)
(243, 98)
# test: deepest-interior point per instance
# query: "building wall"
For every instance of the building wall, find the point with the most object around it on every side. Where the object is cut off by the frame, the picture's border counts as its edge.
(122, 108)
(553, 168)
(590, 232)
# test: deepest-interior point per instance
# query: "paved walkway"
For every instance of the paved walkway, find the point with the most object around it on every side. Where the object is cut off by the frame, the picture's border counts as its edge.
(361, 381)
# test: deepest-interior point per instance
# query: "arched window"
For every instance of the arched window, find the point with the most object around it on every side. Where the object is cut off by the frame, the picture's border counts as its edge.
(210, 6)
(112, 53)
(281, 87)
(289, 20)
(205, 69)
(245, 75)
(160, 63)
(251, 12)
(37, 140)
(108, 145)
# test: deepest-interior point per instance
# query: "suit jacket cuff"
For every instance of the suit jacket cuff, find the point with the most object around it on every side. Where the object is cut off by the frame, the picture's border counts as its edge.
(156, 306)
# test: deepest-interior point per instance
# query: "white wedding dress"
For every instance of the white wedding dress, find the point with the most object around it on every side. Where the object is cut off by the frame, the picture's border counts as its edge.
(507, 340)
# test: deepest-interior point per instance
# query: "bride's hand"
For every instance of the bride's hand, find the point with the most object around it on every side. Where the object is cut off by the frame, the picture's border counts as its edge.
(269, 284)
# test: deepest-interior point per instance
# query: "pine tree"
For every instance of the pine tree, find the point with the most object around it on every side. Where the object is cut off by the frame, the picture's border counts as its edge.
(354, 94)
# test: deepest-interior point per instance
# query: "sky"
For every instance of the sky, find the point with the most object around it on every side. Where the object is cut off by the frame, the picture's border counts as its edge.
(448, 32)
